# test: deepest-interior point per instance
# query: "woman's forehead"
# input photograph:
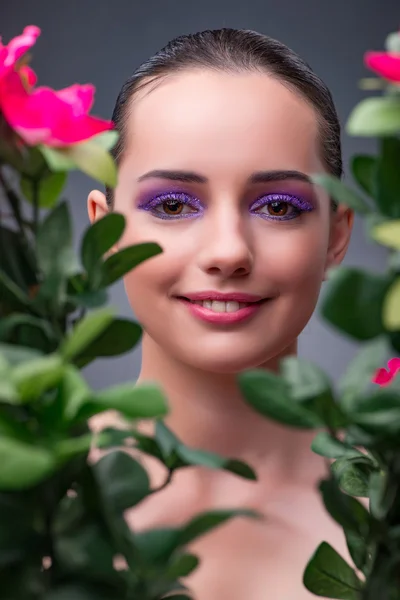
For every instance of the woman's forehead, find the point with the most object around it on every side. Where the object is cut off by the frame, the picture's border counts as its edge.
(223, 117)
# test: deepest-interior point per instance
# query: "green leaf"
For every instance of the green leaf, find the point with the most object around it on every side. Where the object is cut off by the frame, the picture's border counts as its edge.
(387, 234)
(8, 391)
(269, 395)
(48, 189)
(120, 263)
(394, 341)
(345, 510)
(158, 545)
(146, 444)
(375, 117)
(392, 42)
(12, 296)
(73, 392)
(17, 534)
(56, 159)
(341, 193)
(325, 445)
(354, 302)
(68, 448)
(166, 439)
(182, 566)
(122, 479)
(85, 332)
(179, 597)
(99, 238)
(391, 307)
(144, 401)
(328, 575)
(17, 258)
(363, 168)
(55, 251)
(211, 460)
(85, 548)
(378, 413)
(358, 549)
(361, 369)
(306, 380)
(121, 336)
(34, 377)
(23, 465)
(388, 177)
(10, 324)
(353, 474)
(311, 387)
(79, 591)
(15, 354)
(106, 140)
(89, 300)
(93, 160)
(205, 522)
(382, 493)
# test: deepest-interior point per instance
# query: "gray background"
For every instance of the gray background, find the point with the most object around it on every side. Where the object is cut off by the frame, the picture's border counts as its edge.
(103, 41)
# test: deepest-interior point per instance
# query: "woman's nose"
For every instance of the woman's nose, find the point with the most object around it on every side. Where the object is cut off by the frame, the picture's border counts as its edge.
(226, 248)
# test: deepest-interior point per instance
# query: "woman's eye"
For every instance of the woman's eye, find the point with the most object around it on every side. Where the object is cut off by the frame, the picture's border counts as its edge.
(280, 207)
(173, 208)
(173, 205)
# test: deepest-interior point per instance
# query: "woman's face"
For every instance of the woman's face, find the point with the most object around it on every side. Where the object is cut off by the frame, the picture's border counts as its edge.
(216, 171)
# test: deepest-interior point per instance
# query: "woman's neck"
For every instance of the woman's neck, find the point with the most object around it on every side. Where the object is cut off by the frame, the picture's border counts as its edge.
(207, 411)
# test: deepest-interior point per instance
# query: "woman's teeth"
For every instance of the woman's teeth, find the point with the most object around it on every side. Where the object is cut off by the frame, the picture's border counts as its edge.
(218, 306)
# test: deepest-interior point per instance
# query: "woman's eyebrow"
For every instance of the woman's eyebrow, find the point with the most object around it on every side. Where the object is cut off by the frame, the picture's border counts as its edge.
(257, 177)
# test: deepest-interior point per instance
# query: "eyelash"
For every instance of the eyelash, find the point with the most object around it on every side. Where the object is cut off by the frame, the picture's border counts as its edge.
(298, 204)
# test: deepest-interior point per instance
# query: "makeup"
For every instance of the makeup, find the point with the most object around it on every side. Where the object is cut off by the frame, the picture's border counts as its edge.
(224, 309)
(171, 202)
(295, 204)
(176, 205)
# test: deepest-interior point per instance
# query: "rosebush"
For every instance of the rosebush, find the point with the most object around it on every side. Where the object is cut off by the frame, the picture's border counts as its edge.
(62, 529)
(360, 422)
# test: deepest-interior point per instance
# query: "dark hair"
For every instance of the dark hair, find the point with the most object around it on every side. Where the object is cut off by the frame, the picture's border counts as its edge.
(235, 51)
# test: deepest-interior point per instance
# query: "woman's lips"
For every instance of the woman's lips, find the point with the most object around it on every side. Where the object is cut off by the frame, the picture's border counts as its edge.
(204, 313)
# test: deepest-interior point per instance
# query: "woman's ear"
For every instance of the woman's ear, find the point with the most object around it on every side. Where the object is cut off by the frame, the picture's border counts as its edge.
(97, 209)
(339, 238)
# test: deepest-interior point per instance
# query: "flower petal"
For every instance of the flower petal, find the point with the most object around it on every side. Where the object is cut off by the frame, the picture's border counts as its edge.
(383, 377)
(385, 64)
(80, 97)
(17, 47)
(45, 117)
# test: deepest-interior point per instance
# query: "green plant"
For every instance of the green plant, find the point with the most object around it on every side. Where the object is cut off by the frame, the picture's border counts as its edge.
(62, 528)
(360, 423)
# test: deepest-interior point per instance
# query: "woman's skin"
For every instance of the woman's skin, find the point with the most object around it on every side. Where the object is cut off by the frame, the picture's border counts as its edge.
(225, 128)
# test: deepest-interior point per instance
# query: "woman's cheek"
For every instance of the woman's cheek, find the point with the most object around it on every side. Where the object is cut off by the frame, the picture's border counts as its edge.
(298, 260)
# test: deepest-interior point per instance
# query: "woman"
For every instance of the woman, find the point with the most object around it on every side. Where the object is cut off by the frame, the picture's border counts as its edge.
(220, 132)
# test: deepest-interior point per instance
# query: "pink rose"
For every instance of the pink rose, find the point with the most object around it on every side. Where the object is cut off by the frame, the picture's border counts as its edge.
(383, 377)
(43, 115)
(385, 64)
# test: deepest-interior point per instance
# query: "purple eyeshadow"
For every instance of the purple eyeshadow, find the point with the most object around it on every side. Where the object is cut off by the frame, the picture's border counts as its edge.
(151, 204)
(302, 205)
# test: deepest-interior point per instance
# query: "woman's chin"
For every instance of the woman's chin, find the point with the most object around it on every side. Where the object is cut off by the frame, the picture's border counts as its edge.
(227, 364)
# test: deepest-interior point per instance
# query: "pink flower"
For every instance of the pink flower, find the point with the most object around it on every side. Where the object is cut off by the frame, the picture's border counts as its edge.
(43, 115)
(10, 54)
(385, 64)
(383, 377)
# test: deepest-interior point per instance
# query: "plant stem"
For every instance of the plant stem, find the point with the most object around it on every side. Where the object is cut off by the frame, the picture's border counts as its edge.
(35, 194)
(15, 204)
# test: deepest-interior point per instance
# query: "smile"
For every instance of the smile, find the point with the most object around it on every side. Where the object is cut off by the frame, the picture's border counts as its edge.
(222, 311)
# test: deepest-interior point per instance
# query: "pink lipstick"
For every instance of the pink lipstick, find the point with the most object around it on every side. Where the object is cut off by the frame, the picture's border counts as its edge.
(222, 308)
